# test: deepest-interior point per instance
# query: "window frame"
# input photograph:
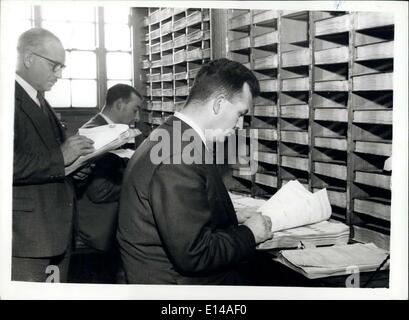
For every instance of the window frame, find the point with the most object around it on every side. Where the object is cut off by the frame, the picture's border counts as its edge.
(101, 54)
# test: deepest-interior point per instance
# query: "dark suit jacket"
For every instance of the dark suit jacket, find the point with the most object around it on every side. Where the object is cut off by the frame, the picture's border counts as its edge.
(177, 224)
(98, 199)
(42, 196)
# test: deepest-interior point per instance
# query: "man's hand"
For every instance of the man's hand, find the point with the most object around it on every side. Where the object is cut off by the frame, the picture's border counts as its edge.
(134, 133)
(74, 147)
(245, 213)
(260, 225)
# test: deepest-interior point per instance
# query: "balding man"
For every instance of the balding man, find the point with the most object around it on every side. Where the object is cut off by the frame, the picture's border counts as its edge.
(43, 201)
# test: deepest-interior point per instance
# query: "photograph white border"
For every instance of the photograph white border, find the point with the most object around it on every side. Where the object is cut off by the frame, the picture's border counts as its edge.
(399, 209)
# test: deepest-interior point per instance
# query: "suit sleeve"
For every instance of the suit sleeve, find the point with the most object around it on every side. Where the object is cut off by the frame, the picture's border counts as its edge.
(183, 216)
(105, 185)
(31, 166)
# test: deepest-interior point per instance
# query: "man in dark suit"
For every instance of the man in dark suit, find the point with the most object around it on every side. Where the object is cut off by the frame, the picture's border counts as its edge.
(99, 196)
(177, 224)
(43, 199)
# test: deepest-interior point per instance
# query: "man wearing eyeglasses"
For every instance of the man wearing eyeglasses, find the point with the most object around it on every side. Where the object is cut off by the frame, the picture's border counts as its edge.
(43, 199)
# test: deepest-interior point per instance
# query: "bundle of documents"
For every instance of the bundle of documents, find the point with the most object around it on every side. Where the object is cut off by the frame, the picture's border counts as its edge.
(299, 218)
(336, 260)
(294, 206)
(106, 138)
(318, 234)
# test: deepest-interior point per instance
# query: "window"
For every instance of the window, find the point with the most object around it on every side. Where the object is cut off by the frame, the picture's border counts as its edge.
(98, 50)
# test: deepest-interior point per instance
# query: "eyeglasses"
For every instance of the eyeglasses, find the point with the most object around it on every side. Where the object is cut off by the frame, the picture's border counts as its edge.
(57, 66)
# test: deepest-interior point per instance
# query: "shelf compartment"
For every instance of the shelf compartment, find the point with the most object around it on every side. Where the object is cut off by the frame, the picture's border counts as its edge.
(295, 111)
(167, 76)
(382, 50)
(295, 163)
(155, 77)
(266, 39)
(199, 35)
(155, 48)
(330, 99)
(331, 143)
(367, 20)
(364, 100)
(265, 16)
(180, 76)
(380, 81)
(238, 22)
(167, 60)
(338, 115)
(297, 137)
(330, 170)
(195, 18)
(269, 62)
(167, 92)
(298, 84)
(337, 85)
(336, 198)
(266, 180)
(266, 157)
(240, 44)
(377, 148)
(179, 41)
(179, 24)
(154, 34)
(168, 45)
(156, 92)
(166, 28)
(373, 116)
(168, 106)
(296, 58)
(182, 91)
(265, 111)
(180, 56)
(373, 179)
(268, 85)
(265, 134)
(332, 56)
(374, 207)
(365, 235)
(333, 25)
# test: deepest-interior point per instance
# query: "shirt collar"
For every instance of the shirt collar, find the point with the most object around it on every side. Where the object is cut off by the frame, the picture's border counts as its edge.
(28, 88)
(107, 119)
(192, 124)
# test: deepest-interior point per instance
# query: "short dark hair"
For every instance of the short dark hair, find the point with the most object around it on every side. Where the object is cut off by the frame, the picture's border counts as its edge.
(120, 91)
(222, 76)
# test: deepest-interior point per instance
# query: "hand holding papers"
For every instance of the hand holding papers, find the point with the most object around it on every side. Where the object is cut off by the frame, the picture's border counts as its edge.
(106, 138)
(293, 206)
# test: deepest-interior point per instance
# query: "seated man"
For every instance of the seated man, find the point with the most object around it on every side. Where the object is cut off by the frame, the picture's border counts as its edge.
(98, 198)
(177, 224)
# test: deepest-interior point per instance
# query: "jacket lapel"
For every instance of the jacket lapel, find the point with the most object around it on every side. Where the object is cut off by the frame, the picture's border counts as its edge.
(36, 116)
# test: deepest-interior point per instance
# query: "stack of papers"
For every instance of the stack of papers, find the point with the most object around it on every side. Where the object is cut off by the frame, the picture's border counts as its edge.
(299, 218)
(335, 260)
(323, 233)
(106, 138)
(294, 206)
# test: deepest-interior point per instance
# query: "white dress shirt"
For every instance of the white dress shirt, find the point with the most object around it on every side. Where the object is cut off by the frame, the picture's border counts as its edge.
(28, 88)
(193, 125)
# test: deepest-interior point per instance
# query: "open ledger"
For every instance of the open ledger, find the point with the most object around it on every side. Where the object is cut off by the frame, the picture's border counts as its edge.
(299, 218)
(106, 138)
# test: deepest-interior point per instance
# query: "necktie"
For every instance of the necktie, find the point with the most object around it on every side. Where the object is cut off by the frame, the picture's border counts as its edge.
(43, 105)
